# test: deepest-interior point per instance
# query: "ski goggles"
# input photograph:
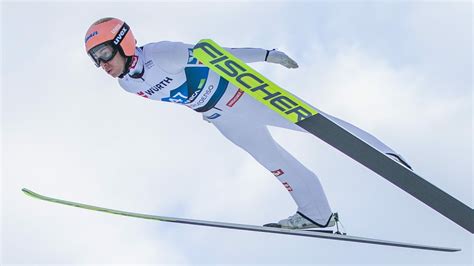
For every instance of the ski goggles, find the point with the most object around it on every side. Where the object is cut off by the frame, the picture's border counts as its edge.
(103, 53)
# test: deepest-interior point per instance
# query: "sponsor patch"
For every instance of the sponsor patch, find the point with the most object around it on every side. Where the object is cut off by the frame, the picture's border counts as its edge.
(116, 29)
(120, 35)
(235, 98)
(278, 172)
(141, 93)
(213, 116)
(149, 64)
(159, 86)
(91, 35)
(287, 186)
(202, 99)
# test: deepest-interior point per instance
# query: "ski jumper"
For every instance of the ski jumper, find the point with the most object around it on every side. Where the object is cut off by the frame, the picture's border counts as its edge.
(167, 71)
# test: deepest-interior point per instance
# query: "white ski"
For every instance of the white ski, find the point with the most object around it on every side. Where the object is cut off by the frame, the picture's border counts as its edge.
(242, 226)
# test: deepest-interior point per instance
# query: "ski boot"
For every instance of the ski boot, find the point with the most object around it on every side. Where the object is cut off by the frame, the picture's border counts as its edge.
(300, 222)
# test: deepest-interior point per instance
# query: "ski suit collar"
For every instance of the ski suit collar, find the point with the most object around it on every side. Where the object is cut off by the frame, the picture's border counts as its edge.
(137, 69)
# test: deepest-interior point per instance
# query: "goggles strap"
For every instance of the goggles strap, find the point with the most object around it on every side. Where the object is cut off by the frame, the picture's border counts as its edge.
(120, 35)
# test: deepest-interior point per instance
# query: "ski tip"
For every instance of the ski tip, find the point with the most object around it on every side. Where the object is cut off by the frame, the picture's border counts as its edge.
(205, 40)
(27, 192)
(208, 41)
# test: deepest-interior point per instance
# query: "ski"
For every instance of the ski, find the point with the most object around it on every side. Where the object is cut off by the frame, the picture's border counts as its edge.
(241, 226)
(307, 117)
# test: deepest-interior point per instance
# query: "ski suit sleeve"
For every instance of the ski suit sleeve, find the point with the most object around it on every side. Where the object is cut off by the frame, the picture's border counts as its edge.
(249, 55)
(174, 56)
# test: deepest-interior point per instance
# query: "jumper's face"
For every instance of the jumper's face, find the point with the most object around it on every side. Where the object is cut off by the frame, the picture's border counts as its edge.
(107, 57)
(115, 66)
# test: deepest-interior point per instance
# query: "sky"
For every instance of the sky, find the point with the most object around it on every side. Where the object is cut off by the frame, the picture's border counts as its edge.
(401, 70)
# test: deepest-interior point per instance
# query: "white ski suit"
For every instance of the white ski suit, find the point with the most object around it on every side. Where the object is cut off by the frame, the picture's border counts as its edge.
(167, 71)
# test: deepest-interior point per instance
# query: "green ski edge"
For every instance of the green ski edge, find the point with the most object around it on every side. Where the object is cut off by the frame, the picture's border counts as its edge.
(252, 82)
(241, 226)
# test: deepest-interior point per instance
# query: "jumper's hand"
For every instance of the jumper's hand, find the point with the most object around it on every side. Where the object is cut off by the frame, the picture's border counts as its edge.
(281, 58)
